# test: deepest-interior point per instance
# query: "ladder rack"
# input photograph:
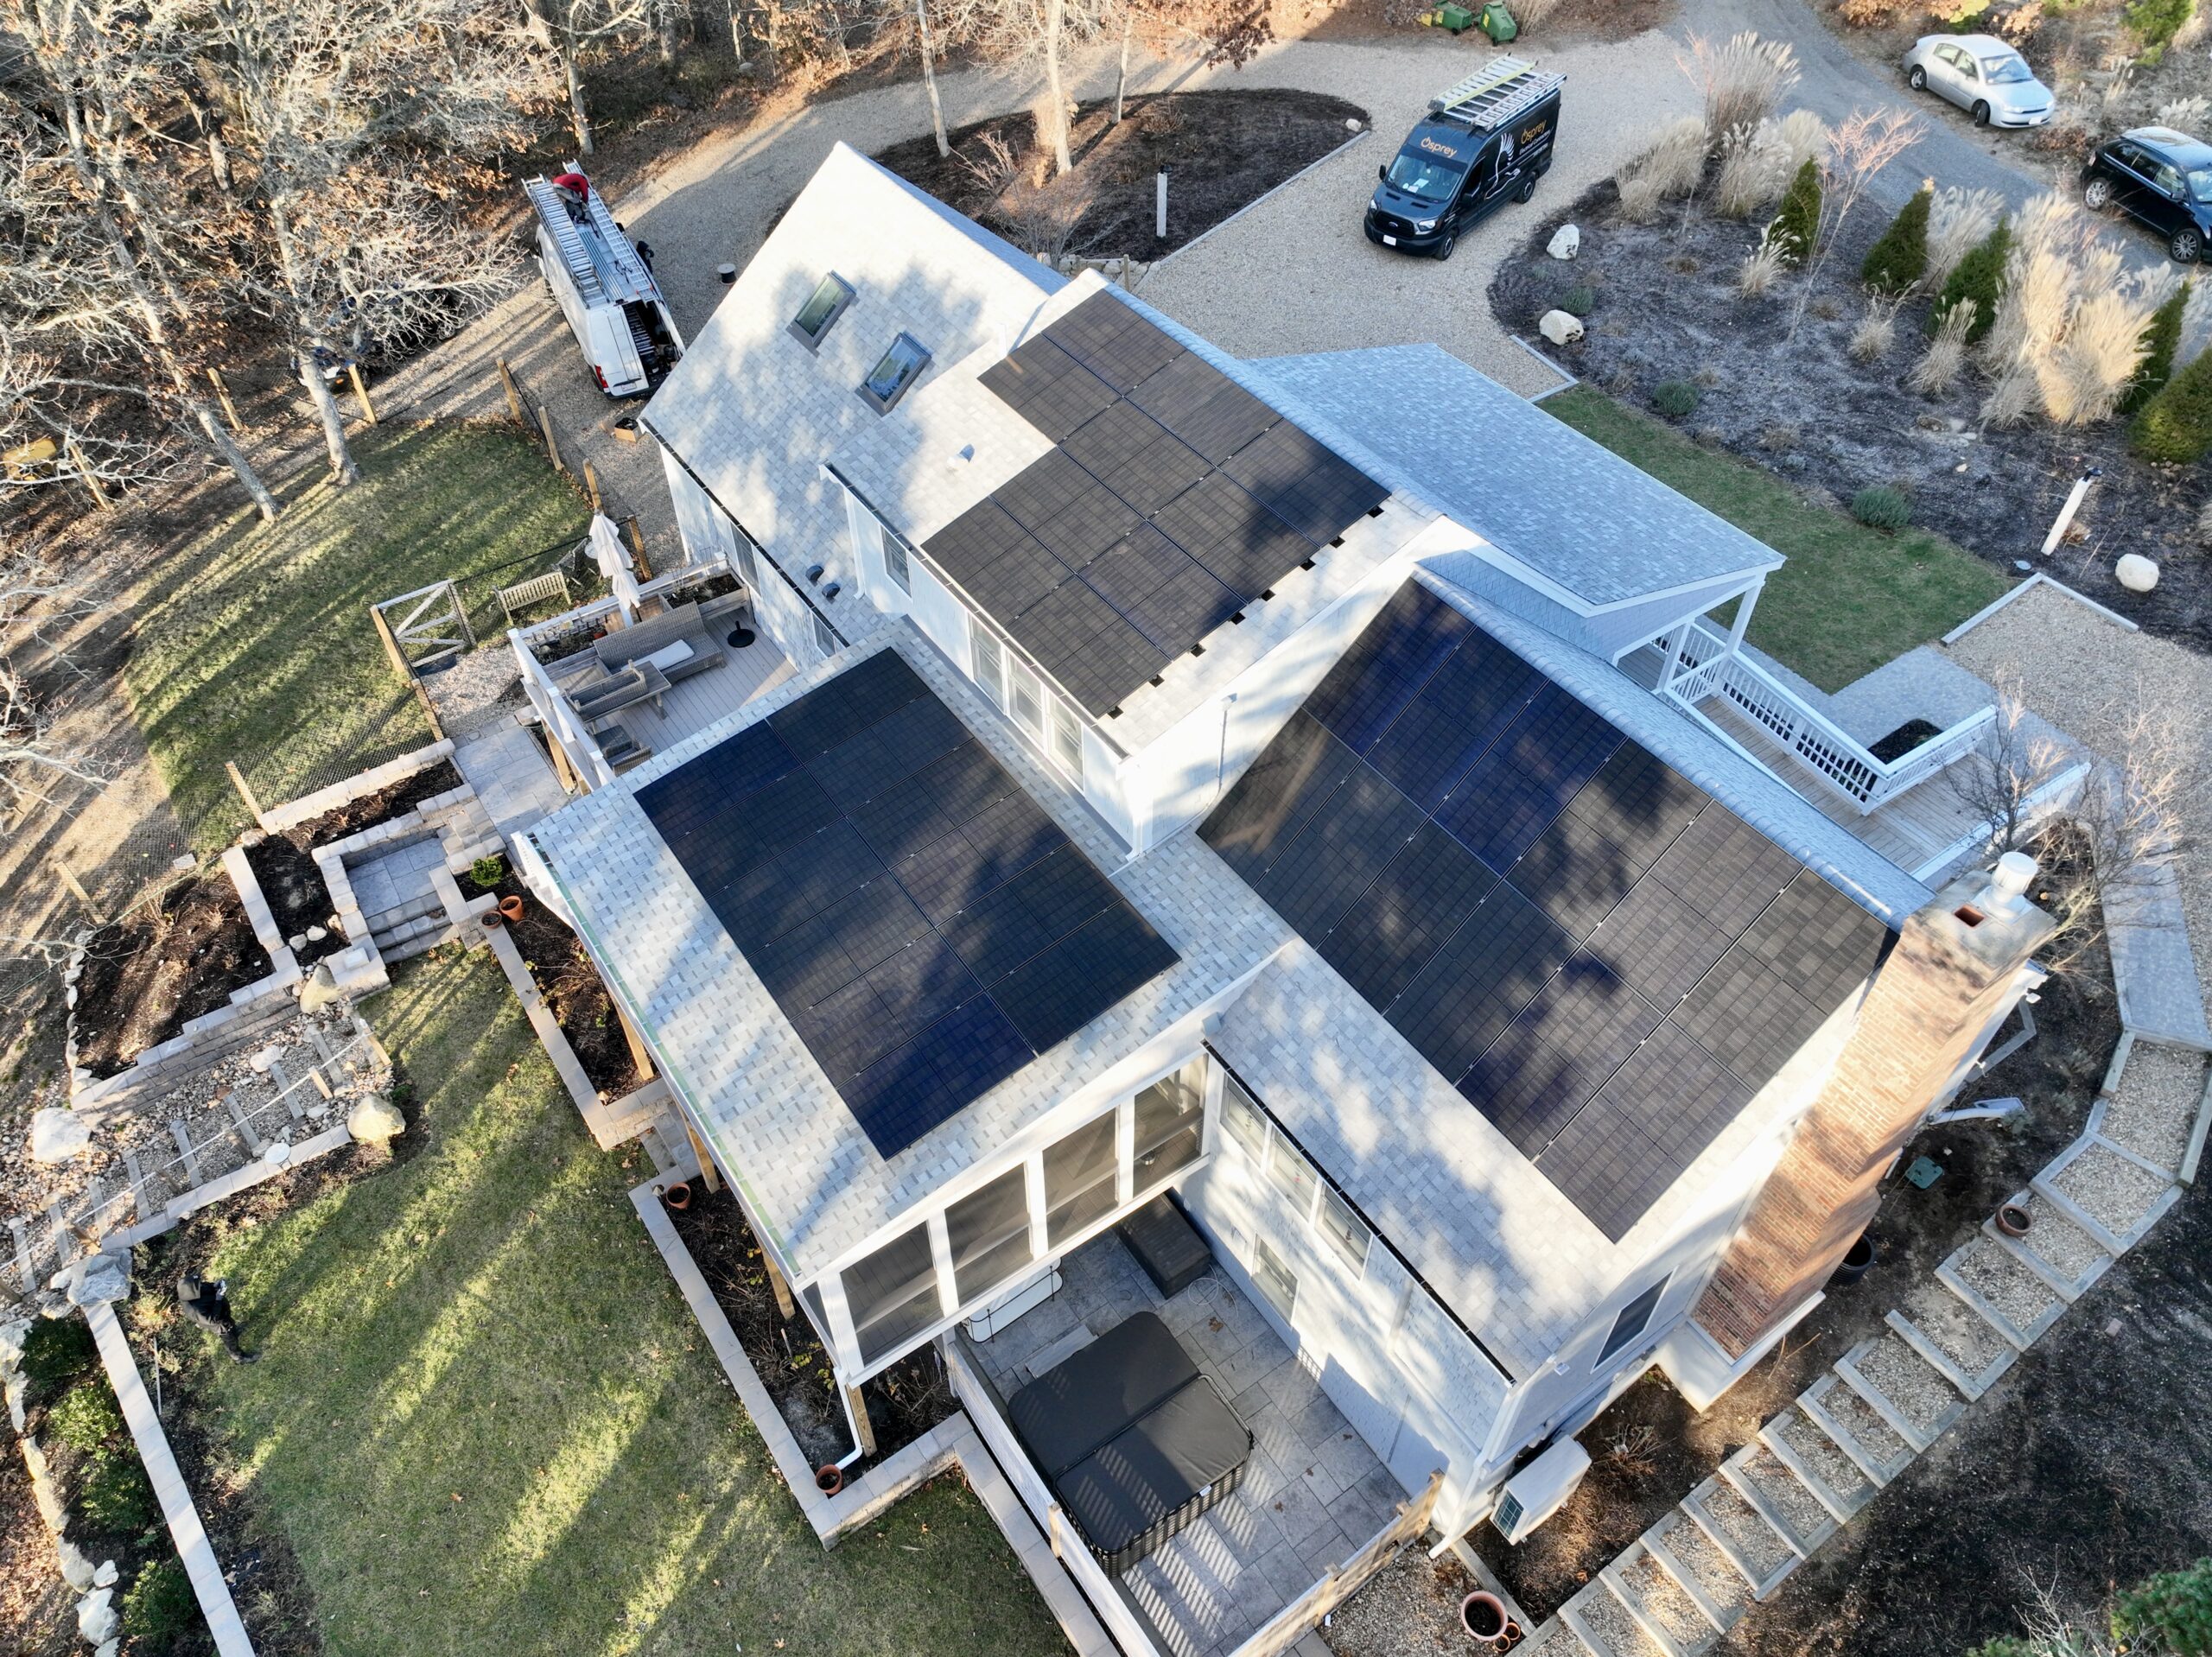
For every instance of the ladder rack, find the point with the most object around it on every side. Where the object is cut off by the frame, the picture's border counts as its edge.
(553, 213)
(1501, 90)
(604, 267)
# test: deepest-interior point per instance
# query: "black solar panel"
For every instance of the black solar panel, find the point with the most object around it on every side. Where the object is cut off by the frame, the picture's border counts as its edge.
(1529, 897)
(922, 923)
(1146, 433)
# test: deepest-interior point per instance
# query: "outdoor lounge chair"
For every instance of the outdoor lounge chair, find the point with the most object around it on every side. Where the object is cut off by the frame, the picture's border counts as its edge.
(676, 641)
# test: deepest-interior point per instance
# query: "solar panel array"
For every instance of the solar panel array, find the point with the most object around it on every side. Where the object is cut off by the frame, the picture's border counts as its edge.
(1174, 499)
(922, 923)
(1605, 960)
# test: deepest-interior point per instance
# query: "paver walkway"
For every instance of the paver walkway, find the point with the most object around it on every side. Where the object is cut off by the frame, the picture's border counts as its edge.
(511, 776)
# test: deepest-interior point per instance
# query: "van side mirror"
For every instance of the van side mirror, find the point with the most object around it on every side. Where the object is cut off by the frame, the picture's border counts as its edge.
(1384, 172)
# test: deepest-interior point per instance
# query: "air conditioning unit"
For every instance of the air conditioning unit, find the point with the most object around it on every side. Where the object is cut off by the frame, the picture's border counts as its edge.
(1538, 1490)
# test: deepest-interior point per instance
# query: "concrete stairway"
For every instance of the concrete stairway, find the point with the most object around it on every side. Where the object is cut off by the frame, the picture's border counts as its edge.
(1734, 1539)
(420, 921)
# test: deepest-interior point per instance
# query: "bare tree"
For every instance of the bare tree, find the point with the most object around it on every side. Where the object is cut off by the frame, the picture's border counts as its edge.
(104, 259)
(1857, 151)
(929, 76)
(33, 598)
(344, 119)
(1211, 31)
(2128, 815)
(574, 27)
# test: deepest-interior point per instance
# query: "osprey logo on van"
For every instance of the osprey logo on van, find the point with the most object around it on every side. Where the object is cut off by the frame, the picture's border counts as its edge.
(1435, 148)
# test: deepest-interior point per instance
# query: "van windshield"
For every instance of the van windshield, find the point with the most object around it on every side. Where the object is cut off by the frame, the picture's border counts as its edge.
(1431, 178)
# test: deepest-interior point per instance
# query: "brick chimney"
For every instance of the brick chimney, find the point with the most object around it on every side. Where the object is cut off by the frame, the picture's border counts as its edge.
(1954, 971)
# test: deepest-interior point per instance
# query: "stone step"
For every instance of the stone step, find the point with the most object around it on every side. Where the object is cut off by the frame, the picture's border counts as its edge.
(1912, 1387)
(1656, 1598)
(1555, 1639)
(2113, 1194)
(412, 907)
(1836, 1482)
(1863, 1436)
(2013, 1295)
(1706, 1575)
(1742, 1534)
(434, 930)
(1951, 1335)
(1603, 1622)
(1783, 1499)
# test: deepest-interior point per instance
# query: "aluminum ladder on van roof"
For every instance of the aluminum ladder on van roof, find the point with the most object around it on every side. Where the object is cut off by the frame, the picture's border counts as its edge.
(553, 213)
(1498, 92)
(628, 269)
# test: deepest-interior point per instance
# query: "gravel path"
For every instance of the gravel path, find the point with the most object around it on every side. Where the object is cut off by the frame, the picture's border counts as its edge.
(1621, 1633)
(2061, 1245)
(1856, 1417)
(2011, 1287)
(2109, 1188)
(1741, 1523)
(1909, 1382)
(1961, 1333)
(1664, 1599)
(1820, 1452)
(2087, 675)
(2161, 1090)
(1723, 1583)
(1786, 1493)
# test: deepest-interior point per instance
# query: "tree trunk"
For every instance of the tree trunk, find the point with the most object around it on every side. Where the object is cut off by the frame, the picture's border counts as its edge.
(579, 117)
(1054, 10)
(736, 34)
(929, 77)
(537, 25)
(342, 469)
(1121, 75)
(234, 457)
(666, 21)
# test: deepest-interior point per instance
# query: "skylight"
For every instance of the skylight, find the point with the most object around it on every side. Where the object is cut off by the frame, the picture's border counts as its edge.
(822, 309)
(896, 370)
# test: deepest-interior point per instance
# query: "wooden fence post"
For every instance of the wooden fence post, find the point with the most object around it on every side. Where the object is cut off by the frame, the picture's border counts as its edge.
(70, 880)
(638, 548)
(223, 391)
(238, 782)
(591, 486)
(514, 396)
(361, 390)
(864, 1427)
(644, 1060)
(545, 428)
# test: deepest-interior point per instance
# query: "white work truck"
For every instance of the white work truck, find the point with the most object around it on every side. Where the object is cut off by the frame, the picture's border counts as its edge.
(603, 287)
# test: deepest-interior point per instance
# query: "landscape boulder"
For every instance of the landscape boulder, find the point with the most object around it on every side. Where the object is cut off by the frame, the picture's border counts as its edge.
(58, 1134)
(1566, 243)
(76, 1569)
(1561, 328)
(96, 1619)
(373, 1120)
(2136, 572)
(319, 991)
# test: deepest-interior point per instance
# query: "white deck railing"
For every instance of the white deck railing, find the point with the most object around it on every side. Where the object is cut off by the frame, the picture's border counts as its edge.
(1709, 667)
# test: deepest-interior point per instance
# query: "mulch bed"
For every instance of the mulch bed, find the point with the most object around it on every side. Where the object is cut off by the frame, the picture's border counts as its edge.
(573, 989)
(903, 1402)
(284, 864)
(1663, 306)
(144, 976)
(1224, 149)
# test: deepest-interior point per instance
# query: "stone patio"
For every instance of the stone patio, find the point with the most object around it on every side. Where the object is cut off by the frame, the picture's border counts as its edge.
(1313, 1492)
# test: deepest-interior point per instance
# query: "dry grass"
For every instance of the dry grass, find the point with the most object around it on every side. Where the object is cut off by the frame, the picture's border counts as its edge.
(1741, 78)
(1877, 330)
(1761, 269)
(2204, 526)
(1756, 163)
(2187, 114)
(1958, 222)
(1935, 373)
(1667, 171)
(1530, 14)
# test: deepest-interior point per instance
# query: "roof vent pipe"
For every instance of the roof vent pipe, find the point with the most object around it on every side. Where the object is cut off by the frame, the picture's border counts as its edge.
(2009, 882)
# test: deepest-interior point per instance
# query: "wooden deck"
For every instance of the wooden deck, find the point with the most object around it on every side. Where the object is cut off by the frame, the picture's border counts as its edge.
(692, 704)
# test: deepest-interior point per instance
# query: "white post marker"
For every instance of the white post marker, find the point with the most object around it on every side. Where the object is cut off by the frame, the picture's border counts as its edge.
(1159, 206)
(2074, 499)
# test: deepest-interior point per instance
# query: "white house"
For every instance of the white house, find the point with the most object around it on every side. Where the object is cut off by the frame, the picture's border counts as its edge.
(1319, 789)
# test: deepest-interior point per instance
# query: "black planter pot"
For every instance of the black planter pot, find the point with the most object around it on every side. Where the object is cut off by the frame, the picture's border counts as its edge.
(1857, 1260)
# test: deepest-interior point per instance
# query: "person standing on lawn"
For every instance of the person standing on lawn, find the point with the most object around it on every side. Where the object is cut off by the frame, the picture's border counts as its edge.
(208, 1304)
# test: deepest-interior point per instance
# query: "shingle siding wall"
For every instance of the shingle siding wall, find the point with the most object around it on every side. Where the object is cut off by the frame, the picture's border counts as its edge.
(1933, 1001)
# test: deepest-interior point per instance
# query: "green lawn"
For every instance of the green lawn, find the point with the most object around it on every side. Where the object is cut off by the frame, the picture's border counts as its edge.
(254, 642)
(1850, 597)
(485, 1421)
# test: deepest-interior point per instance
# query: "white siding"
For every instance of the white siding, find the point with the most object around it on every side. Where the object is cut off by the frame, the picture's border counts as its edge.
(707, 534)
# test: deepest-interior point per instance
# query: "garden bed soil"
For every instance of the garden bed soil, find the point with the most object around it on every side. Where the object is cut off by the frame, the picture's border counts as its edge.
(903, 1402)
(1225, 149)
(284, 864)
(1393, 21)
(1647, 1449)
(1408, 1608)
(573, 990)
(1661, 306)
(146, 975)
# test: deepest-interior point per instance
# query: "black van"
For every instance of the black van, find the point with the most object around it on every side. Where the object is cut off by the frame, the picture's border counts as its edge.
(1488, 139)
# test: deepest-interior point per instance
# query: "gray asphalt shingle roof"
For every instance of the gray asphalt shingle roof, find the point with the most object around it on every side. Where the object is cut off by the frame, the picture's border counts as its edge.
(1569, 509)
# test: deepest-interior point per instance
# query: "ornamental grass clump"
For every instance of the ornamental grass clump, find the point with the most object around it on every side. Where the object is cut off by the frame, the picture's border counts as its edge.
(1881, 507)
(1958, 222)
(1667, 171)
(1878, 330)
(1936, 373)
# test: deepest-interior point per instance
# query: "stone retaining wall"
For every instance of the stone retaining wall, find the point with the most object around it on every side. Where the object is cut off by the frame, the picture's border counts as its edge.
(308, 807)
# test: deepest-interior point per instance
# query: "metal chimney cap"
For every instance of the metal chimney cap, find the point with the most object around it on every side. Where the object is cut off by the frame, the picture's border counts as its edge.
(2009, 882)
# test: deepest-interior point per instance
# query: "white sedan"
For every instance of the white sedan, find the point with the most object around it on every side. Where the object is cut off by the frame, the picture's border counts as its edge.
(1981, 74)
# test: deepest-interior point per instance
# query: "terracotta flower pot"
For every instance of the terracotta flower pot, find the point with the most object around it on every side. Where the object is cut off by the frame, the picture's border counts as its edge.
(2013, 1219)
(512, 908)
(678, 1196)
(1483, 1617)
(829, 1478)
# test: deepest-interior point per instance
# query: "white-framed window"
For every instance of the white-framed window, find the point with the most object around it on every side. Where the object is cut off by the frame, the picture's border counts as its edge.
(1066, 747)
(1343, 1230)
(1025, 700)
(824, 640)
(1241, 1119)
(894, 562)
(986, 661)
(1293, 1176)
(1635, 1318)
(1274, 1279)
(1169, 1126)
(740, 556)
